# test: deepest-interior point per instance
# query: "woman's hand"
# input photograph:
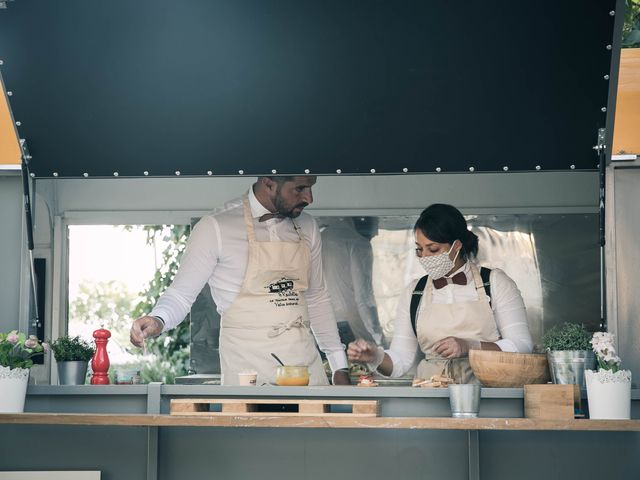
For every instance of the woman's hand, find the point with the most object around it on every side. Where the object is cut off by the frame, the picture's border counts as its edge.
(362, 351)
(453, 347)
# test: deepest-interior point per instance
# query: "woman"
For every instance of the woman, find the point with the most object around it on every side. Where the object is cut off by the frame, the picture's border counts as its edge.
(455, 312)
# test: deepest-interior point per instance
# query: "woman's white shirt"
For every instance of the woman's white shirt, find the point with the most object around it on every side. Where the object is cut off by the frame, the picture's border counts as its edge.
(506, 303)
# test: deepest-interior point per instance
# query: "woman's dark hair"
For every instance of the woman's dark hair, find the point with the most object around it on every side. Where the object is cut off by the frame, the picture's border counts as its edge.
(445, 224)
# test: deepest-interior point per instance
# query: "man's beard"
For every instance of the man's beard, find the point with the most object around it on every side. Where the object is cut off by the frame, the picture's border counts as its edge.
(289, 212)
(283, 211)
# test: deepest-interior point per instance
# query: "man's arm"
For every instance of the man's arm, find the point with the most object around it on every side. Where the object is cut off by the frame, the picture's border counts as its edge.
(196, 266)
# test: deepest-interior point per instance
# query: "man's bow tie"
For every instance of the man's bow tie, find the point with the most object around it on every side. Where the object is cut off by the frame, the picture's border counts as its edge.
(459, 279)
(269, 216)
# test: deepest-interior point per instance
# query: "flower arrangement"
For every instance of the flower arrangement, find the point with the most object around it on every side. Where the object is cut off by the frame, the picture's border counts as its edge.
(602, 343)
(72, 349)
(17, 350)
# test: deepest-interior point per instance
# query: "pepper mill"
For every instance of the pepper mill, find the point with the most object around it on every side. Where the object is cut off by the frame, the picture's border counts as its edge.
(100, 361)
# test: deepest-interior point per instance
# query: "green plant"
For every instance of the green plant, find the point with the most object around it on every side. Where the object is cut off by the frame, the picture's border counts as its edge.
(17, 350)
(567, 336)
(631, 28)
(72, 349)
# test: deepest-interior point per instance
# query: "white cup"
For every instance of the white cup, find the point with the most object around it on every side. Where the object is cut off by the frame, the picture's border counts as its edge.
(247, 378)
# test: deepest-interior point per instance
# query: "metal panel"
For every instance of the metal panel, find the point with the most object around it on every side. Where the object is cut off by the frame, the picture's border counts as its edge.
(553, 258)
(358, 86)
(627, 267)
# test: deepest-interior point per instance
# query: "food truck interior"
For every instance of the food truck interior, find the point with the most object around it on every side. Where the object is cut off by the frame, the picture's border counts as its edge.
(155, 112)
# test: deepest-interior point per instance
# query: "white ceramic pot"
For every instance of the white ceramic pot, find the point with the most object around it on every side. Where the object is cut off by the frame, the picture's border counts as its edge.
(609, 394)
(13, 389)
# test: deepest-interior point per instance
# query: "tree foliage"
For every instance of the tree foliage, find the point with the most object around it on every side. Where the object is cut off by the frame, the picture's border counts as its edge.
(171, 349)
(631, 28)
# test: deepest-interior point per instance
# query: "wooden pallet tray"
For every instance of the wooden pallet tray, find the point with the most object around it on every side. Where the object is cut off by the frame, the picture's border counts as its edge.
(273, 407)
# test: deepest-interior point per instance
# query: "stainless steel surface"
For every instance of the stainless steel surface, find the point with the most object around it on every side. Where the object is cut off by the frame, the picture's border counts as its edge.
(624, 270)
(464, 400)
(568, 366)
(553, 258)
(72, 373)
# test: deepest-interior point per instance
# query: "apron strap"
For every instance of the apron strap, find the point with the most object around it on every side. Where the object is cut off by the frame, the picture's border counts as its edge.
(248, 219)
(280, 328)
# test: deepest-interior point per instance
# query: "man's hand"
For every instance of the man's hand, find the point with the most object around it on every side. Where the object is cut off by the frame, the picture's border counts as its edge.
(341, 377)
(145, 327)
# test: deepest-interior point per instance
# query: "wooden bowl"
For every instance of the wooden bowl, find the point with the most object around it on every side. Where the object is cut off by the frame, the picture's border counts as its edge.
(509, 370)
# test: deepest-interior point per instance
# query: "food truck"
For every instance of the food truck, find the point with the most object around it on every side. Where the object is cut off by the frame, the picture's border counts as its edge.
(157, 112)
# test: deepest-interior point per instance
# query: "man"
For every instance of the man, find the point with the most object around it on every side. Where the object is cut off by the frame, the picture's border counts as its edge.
(262, 259)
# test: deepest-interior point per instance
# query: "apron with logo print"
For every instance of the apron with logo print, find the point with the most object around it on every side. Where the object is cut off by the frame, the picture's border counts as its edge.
(270, 315)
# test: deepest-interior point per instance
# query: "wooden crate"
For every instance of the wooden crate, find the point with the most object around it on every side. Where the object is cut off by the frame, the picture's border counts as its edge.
(273, 407)
(551, 402)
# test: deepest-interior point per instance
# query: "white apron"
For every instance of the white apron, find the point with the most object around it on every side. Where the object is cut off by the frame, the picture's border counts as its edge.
(471, 320)
(270, 315)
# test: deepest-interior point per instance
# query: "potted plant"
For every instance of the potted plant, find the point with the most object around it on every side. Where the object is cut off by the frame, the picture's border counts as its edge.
(16, 358)
(608, 388)
(569, 352)
(72, 355)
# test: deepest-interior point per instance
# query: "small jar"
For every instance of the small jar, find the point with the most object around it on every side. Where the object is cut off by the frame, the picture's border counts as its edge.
(292, 375)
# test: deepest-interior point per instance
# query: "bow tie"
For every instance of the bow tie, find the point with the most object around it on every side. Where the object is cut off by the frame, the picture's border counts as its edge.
(459, 279)
(269, 216)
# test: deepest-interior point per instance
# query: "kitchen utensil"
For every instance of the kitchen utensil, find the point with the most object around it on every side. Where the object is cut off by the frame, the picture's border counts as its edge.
(276, 357)
(507, 369)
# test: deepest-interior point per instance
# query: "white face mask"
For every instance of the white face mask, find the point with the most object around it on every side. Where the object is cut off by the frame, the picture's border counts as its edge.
(437, 266)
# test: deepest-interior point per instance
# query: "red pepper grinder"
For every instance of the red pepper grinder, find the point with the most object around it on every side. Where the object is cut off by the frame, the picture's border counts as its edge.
(100, 361)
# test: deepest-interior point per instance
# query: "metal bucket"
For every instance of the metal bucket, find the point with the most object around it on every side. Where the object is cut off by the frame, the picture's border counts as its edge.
(568, 366)
(72, 373)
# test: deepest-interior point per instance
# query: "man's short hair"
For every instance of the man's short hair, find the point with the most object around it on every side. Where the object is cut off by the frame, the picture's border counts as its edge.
(279, 178)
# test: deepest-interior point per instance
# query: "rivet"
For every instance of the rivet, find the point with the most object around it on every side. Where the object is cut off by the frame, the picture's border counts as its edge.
(505, 168)
(18, 123)
(608, 47)
(55, 174)
(115, 174)
(209, 172)
(146, 173)
(241, 172)
(33, 175)
(572, 167)
(603, 109)
(306, 170)
(9, 93)
(338, 171)
(538, 167)
(472, 169)
(612, 13)
(405, 170)
(178, 173)
(606, 77)
(85, 174)
(1, 62)
(373, 170)
(28, 157)
(438, 169)
(274, 171)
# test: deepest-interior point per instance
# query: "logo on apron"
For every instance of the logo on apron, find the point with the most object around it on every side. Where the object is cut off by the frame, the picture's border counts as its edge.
(285, 294)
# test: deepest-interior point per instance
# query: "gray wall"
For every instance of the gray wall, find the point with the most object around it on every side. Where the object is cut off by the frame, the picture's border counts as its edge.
(10, 250)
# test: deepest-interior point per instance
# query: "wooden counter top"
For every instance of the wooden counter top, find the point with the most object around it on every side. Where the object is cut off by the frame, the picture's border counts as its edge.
(416, 423)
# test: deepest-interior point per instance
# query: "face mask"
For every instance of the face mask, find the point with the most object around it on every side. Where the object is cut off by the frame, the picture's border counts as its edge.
(437, 266)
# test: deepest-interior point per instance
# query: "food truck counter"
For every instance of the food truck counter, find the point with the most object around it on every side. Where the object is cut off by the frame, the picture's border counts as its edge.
(89, 426)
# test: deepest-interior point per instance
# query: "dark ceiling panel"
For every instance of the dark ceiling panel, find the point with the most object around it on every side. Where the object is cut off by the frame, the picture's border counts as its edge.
(352, 85)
